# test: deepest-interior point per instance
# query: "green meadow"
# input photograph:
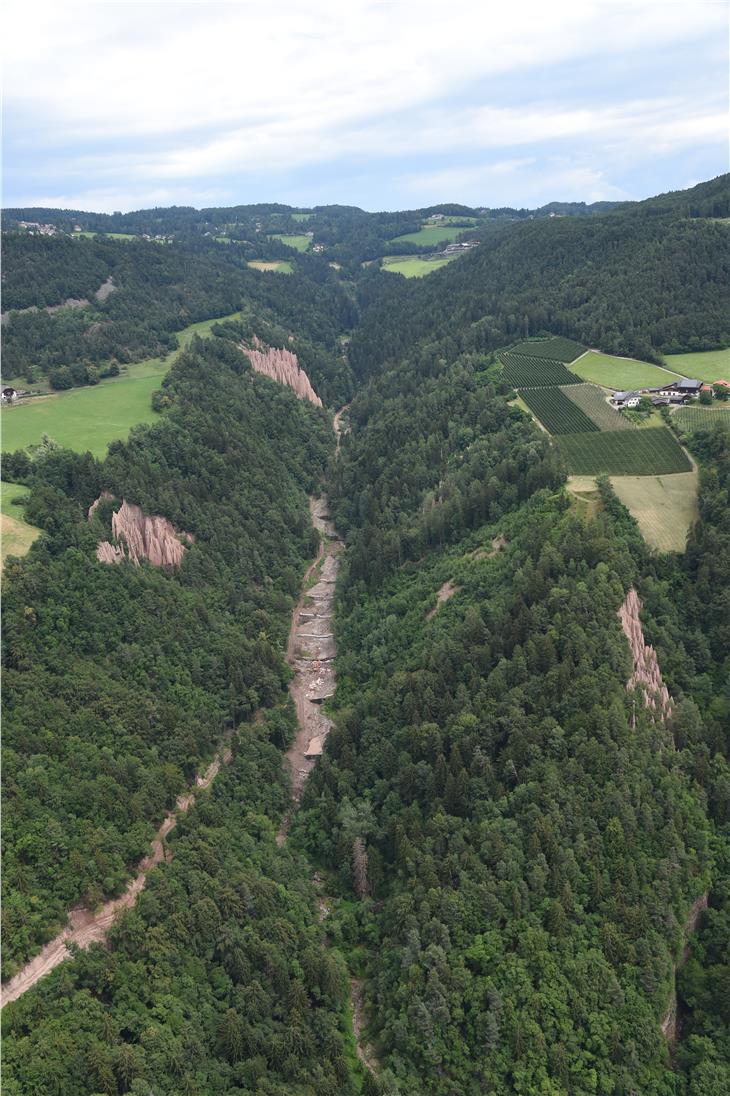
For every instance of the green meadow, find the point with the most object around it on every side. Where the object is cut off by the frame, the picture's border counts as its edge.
(299, 243)
(89, 418)
(413, 266)
(705, 365)
(431, 235)
(111, 235)
(16, 536)
(619, 373)
(301, 216)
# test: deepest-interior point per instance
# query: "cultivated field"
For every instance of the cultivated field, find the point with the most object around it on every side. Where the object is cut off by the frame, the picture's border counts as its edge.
(89, 418)
(411, 266)
(624, 452)
(556, 412)
(706, 365)
(17, 536)
(557, 348)
(620, 373)
(664, 507)
(279, 266)
(529, 372)
(431, 235)
(591, 399)
(696, 417)
(299, 243)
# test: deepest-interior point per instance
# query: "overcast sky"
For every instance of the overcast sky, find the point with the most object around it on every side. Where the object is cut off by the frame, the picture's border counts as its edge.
(386, 105)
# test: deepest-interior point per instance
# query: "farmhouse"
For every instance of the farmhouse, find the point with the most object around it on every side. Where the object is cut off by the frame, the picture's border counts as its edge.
(678, 391)
(625, 399)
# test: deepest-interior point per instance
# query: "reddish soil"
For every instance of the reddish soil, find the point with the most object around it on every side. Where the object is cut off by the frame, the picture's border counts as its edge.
(282, 366)
(647, 674)
(445, 592)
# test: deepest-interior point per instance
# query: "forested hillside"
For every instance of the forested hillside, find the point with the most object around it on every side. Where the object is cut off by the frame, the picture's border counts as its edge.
(643, 280)
(159, 290)
(534, 842)
(503, 852)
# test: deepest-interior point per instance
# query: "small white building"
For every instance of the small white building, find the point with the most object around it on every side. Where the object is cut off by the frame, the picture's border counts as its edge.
(626, 399)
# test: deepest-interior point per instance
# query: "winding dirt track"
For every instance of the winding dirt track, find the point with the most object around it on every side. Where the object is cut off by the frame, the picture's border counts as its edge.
(87, 926)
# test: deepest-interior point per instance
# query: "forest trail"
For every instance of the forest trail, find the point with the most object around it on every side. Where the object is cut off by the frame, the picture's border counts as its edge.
(87, 926)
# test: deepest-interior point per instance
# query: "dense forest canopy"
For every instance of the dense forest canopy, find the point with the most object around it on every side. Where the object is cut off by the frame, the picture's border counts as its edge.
(516, 852)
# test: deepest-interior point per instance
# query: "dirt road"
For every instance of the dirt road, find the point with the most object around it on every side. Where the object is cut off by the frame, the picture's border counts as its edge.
(87, 926)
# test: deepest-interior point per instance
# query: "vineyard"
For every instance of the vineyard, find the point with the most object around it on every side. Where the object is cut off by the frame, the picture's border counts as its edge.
(590, 399)
(556, 349)
(624, 452)
(524, 371)
(558, 413)
(701, 418)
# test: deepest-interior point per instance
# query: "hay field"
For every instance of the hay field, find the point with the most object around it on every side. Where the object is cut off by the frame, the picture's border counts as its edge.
(706, 365)
(411, 266)
(664, 507)
(16, 536)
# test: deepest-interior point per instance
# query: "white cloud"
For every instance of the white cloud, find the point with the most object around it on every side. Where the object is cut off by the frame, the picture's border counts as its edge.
(184, 91)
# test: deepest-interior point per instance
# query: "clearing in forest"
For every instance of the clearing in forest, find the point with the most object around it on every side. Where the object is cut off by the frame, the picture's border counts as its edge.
(431, 235)
(704, 365)
(17, 535)
(664, 507)
(279, 266)
(620, 373)
(413, 266)
(557, 348)
(91, 417)
(299, 243)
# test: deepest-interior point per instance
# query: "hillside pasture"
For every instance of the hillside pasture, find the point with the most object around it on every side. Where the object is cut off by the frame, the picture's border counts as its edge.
(301, 216)
(620, 373)
(591, 400)
(624, 452)
(528, 372)
(412, 266)
(695, 417)
(89, 418)
(277, 266)
(556, 347)
(705, 365)
(299, 243)
(664, 507)
(557, 413)
(431, 235)
(16, 535)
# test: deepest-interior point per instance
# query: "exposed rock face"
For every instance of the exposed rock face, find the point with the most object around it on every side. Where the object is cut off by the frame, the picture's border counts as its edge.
(102, 496)
(281, 366)
(152, 538)
(646, 667)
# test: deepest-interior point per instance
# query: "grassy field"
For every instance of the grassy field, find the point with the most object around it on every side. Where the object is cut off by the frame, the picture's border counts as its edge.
(664, 507)
(558, 413)
(299, 243)
(586, 498)
(301, 216)
(111, 235)
(528, 372)
(413, 267)
(619, 373)
(430, 236)
(590, 398)
(696, 417)
(278, 266)
(707, 365)
(624, 453)
(89, 418)
(16, 536)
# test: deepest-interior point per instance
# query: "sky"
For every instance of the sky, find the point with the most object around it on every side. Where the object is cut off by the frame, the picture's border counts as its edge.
(394, 104)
